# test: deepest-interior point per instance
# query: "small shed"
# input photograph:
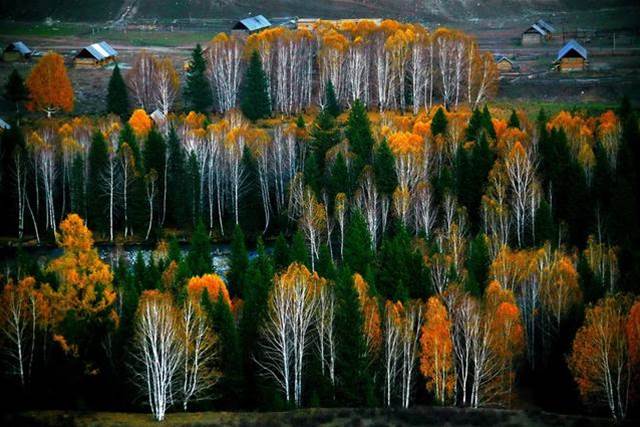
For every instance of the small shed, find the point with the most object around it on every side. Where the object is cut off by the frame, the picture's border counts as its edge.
(572, 57)
(503, 63)
(534, 35)
(95, 55)
(4, 125)
(16, 51)
(252, 24)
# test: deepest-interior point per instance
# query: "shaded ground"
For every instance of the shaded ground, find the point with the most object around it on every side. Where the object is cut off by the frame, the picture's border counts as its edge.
(423, 416)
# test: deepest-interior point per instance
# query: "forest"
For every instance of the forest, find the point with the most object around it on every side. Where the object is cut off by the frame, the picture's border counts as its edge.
(411, 243)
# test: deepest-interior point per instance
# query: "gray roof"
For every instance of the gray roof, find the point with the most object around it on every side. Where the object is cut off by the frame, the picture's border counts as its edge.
(100, 51)
(4, 125)
(572, 45)
(538, 29)
(499, 57)
(253, 23)
(19, 47)
(546, 26)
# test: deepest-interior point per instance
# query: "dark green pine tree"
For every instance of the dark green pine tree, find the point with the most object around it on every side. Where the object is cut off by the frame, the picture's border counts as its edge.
(472, 171)
(324, 135)
(353, 376)
(313, 173)
(98, 159)
(477, 263)
(137, 205)
(251, 210)
(298, 251)
(400, 270)
(11, 143)
(177, 214)
(439, 123)
(487, 124)
(514, 121)
(254, 94)
(258, 284)
(546, 230)
(358, 132)
(229, 388)
(154, 157)
(358, 254)
(331, 103)
(117, 96)
(281, 253)
(77, 193)
(199, 257)
(193, 190)
(238, 264)
(197, 91)
(475, 125)
(15, 90)
(340, 180)
(384, 169)
(325, 266)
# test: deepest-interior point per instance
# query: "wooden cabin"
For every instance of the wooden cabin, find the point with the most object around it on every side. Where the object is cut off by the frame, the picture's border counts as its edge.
(158, 118)
(547, 27)
(504, 64)
(16, 51)
(534, 35)
(252, 24)
(95, 55)
(572, 57)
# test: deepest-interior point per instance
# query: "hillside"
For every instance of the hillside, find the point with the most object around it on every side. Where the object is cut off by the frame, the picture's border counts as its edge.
(446, 10)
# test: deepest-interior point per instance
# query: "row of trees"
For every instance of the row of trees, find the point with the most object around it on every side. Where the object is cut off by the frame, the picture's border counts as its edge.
(186, 338)
(387, 66)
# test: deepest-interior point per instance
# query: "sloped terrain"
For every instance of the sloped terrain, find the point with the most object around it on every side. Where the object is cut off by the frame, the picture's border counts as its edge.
(445, 10)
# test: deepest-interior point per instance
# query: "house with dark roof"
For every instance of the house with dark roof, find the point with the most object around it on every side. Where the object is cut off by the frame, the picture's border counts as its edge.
(16, 51)
(537, 33)
(95, 55)
(572, 57)
(252, 24)
(503, 63)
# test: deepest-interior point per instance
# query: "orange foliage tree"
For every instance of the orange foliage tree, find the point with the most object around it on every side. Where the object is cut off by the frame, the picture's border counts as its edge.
(50, 86)
(140, 122)
(602, 352)
(436, 360)
(214, 285)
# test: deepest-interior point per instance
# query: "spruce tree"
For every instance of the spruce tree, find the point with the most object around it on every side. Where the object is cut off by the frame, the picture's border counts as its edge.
(299, 252)
(238, 263)
(254, 94)
(324, 136)
(358, 132)
(256, 293)
(197, 91)
(354, 379)
(475, 125)
(230, 385)
(339, 181)
(117, 97)
(154, 157)
(514, 121)
(11, 143)
(78, 199)
(384, 169)
(487, 124)
(281, 253)
(199, 256)
(177, 214)
(96, 202)
(251, 211)
(358, 254)
(439, 123)
(15, 90)
(331, 103)
(478, 262)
